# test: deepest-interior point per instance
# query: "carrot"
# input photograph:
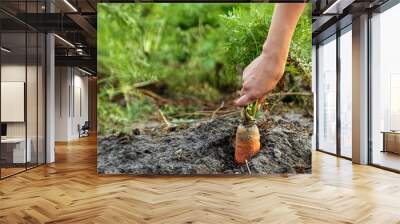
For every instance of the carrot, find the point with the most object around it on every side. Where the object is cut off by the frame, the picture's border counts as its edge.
(247, 142)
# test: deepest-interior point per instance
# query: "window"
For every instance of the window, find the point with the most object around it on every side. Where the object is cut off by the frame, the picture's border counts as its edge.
(327, 96)
(346, 92)
(385, 89)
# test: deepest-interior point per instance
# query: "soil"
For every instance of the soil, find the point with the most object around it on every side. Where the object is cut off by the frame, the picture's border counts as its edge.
(208, 148)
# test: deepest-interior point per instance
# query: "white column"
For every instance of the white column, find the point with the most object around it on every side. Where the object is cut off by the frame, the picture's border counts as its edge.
(360, 90)
(50, 100)
(50, 92)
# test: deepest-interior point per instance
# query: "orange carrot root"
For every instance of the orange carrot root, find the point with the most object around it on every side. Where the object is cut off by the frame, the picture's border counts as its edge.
(247, 143)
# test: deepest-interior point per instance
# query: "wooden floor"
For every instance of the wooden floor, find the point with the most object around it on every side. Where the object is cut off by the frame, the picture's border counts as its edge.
(10, 171)
(387, 159)
(70, 191)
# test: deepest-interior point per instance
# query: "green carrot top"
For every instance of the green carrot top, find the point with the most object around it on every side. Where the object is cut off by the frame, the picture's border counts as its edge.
(249, 112)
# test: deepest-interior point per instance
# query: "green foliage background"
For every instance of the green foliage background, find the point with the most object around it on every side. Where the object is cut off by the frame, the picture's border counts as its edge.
(185, 51)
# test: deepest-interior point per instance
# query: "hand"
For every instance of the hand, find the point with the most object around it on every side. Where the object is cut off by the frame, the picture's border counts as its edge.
(260, 77)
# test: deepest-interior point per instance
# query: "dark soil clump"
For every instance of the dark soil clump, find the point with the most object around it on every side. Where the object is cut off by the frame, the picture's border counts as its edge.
(207, 148)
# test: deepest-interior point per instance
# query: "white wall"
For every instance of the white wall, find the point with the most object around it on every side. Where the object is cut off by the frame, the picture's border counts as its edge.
(10, 73)
(33, 126)
(62, 81)
(80, 100)
(71, 93)
(13, 73)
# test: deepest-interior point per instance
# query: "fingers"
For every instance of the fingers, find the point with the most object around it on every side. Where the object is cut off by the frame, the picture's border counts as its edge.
(242, 101)
(245, 99)
(247, 96)
(252, 88)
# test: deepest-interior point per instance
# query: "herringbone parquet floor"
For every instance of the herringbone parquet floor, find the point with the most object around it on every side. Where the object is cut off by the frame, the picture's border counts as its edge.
(70, 191)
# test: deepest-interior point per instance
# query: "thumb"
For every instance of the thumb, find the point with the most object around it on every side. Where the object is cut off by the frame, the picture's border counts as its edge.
(243, 101)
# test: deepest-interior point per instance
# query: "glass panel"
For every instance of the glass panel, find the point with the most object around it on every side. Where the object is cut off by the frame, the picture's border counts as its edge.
(31, 97)
(13, 86)
(32, 87)
(385, 84)
(327, 96)
(346, 94)
(41, 99)
(23, 90)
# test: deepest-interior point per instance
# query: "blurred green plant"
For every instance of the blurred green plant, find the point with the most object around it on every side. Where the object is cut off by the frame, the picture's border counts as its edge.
(184, 51)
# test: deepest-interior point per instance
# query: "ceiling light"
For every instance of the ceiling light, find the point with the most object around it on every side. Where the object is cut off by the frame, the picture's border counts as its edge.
(65, 41)
(70, 5)
(5, 50)
(84, 71)
(79, 51)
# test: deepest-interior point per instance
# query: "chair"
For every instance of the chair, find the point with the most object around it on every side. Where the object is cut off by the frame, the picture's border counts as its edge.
(84, 130)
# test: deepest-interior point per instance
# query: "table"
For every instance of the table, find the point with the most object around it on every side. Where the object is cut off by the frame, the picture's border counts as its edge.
(14, 150)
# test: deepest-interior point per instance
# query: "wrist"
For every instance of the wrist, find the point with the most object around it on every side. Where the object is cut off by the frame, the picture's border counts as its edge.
(275, 63)
(271, 55)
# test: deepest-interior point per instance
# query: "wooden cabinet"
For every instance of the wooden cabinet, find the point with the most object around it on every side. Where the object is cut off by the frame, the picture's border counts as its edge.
(391, 142)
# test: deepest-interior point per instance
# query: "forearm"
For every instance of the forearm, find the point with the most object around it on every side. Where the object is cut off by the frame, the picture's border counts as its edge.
(284, 20)
(264, 72)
